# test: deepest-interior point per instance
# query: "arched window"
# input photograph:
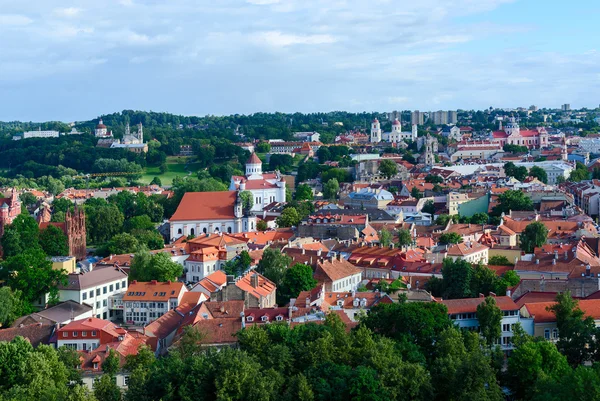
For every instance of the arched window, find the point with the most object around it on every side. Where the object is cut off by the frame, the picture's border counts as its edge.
(217, 229)
(192, 231)
(204, 230)
(229, 230)
(179, 231)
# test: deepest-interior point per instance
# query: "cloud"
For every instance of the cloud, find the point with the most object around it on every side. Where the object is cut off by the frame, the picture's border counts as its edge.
(280, 39)
(68, 12)
(263, 2)
(14, 20)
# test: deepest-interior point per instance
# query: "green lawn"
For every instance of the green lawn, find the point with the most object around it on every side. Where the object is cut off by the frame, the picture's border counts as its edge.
(176, 168)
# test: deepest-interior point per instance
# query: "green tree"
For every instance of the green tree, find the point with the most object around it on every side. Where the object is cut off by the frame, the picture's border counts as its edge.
(429, 207)
(122, 243)
(303, 192)
(147, 267)
(238, 265)
(331, 189)
(28, 199)
(142, 222)
(415, 193)
(480, 218)
(261, 225)
(388, 168)
(539, 173)
(576, 331)
(297, 278)
(385, 237)
(263, 147)
(54, 241)
(102, 223)
(106, 389)
(512, 200)
(443, 219)
(580, 173)
(498, 260)
(111, 363)
(457, 278)
(273, 265)
(11, 306)
(404, 238)
(489, 316)
(450, 238)
(62, 205)
(156, 181)
(247, 200)
(289, 217)
(434, 179)
(534, 235)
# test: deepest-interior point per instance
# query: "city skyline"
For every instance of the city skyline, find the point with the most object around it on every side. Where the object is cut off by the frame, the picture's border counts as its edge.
(75, 61)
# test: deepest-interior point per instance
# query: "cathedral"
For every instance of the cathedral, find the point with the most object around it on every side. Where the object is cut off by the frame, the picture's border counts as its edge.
(395, 136)
(9, 209)
(73, 227)
(513, 135)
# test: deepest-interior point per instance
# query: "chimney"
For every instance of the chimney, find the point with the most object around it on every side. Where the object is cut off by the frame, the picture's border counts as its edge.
(303, 251)
(254, 280)
(318, 252)
(588, 270)
(481, 295)
(508, 293)
(555, 254)
(307, 302)
(554, 261)
(537, 261)
(492, 294)
(230, 279)
(243, 317)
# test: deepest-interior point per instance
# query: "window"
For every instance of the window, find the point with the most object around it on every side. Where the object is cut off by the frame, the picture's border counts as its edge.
(94, 333)
(98, 305)
(84, 296)
(250, 318)
(84, 334)
(110, 288)
(104, 289)
(554, 334)
(547, 334)
(91, 294)
(97, 291)
(126, 380)
(506, 327)
(95, 365)
(117, 286)
(105, 303)
(124, 284)
(64, 333)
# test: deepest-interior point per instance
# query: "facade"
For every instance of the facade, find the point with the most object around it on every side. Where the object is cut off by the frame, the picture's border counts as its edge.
(265, 188)
(307, 136)
(376, 134)
(208, 254)
(147, 301)
(210, 212)
(331, 225)
(453, 200)
(469, 251)
(253, 288)
(452, 132)
(369, 198)
(337, 274)
(513, 135)
(73, 227)
(463, 312)
(102, 289)
(10, 208)
(101, 130)
(417, 117)
(430, 145)
(37, 134)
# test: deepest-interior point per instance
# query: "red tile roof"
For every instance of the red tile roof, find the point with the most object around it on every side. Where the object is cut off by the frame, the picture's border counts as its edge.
(335, 269)
(265, 286)
(469, 305)
(254, 159)
(206, 206)
(153, 291)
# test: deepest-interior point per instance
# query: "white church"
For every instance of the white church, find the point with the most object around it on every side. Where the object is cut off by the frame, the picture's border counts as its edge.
(266, 188)
(395, 136)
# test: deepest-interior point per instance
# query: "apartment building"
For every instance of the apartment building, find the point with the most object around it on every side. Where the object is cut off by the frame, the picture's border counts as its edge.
(147, 301)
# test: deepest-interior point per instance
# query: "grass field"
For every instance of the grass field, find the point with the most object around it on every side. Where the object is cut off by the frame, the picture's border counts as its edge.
(176, 168)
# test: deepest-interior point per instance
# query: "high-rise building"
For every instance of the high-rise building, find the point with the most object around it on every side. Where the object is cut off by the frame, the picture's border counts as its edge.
(533, 108)
(394, 115)
(439, 117)
(566, 107)
(452, 117)
(416, 117)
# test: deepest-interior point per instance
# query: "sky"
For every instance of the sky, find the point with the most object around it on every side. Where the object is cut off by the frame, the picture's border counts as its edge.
(75, 60)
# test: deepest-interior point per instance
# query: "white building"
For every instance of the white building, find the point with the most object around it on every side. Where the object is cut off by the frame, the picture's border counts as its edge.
(101, 130)
(472, 252)
(590, 145)
(265, 188)
(145, 302)
(337, 274)
(375, 131)
(37, 134)
(211, 212)
(102, 289)
(307, 136)
(463, 312)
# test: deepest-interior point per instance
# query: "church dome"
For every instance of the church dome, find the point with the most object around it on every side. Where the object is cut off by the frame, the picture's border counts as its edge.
(254, 159)
(396, 122)
(375, 120)
(100, 125)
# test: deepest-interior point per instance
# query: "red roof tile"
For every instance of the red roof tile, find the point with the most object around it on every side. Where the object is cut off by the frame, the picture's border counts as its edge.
(206, 206)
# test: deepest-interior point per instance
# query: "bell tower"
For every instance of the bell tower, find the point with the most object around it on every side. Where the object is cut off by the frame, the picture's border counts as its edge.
(375, 131)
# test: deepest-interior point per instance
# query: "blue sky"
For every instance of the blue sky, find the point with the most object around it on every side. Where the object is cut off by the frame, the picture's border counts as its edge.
(77, 59)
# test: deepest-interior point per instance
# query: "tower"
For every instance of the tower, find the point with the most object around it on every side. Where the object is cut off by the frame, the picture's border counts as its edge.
(429, 155)
(396, 133)
(140, 133)
(254, 167)
(238, 209)
(512, 127)
(101, 129)
(414, 132)
(375, 131)
(127, 131)
(75, 231)
(565, 152)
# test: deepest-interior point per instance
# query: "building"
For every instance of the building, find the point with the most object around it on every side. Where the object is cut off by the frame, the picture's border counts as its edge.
(10, 208)
(376, 135)
(331, 225)
(66, 263)
(336, 274)
(452, 132)
(265, 188)
(472, 252)
(439, 117)
(73, 227)
(463, 312)
(417, 117)
(452, 117)
(210, 212)
(513, 135)
(101, 130)
(430, 145)
(208, 253)
(102, 289)
(453, 200)
(369, 198)
(481, 150)
(56, 315)
(36, 134)
(307, 136)
(253, 288)
(147, 301)
(565, 107)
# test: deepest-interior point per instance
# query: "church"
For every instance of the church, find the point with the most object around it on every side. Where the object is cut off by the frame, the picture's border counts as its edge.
(210, 212)
(9, 209)
(266, 188)
(513, 135)
(73, 227)
(395, 136)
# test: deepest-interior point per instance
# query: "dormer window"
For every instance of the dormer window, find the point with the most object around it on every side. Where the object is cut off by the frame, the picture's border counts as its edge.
(75, 333)
(355, 302)
(264, 318)
(250, 318)
(96, 365)
(279, 318)
(340, 302)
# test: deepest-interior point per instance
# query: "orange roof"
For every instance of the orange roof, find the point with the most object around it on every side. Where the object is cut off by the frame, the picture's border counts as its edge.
(335, 269)
(206, 206)
(469, 305)
(153, 291)
(265, 286)
(462, 249)
(254, 159)
(263, 237)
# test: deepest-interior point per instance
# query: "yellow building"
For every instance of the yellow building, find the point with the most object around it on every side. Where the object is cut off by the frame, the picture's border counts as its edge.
(67, 263)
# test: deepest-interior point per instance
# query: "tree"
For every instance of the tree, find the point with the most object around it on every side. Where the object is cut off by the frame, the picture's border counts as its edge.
(385, 237)
(479, 218)
(297, 278)
(434, 179)
(147, 267)
(273, 265)
(28, 199)
(303, 192)
(457, 278)
(539, 173)
(122, 243)
(263, 147)
(62, 205)
(429, 207)
(512, 200)
(111, 363)
(404, 238)
(261, 225)
(490, 318)
(415, 193)
(289, 217)
(443, 219)
(247, 200)
(534, 235)
(102, 223)
(388, 168)
(238, 265)
(450, 238)
(576, 331)
(142, 222)
(11, 306)
(498, 260)
(106, 389)
(156, 181)
(580, 173)
(54, 241)
(331, 189)
(510, 148)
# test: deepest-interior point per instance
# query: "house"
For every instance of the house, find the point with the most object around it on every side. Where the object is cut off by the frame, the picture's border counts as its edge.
(513, 135)
(337, 274)
(10, 208)
(208, 253)
(452, 132)
(453, 200)
(35, 333)
(253, 288)
(463, 312)
(147, 301)
(211, 283)
(60, 314)
(94, 339)
(265, 188)
(101, 288)
(472, 252)
(210, 212)
(369, 198)
(333, 225)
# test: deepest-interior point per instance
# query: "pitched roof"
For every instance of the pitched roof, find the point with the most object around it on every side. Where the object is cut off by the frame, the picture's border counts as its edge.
(82, 281)
(463, 249)
(469, 305)
(153, 291)
(335, 269)
(206, 206)
(219, 331)
(254, 159)
(264, 288)
(35, 333)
